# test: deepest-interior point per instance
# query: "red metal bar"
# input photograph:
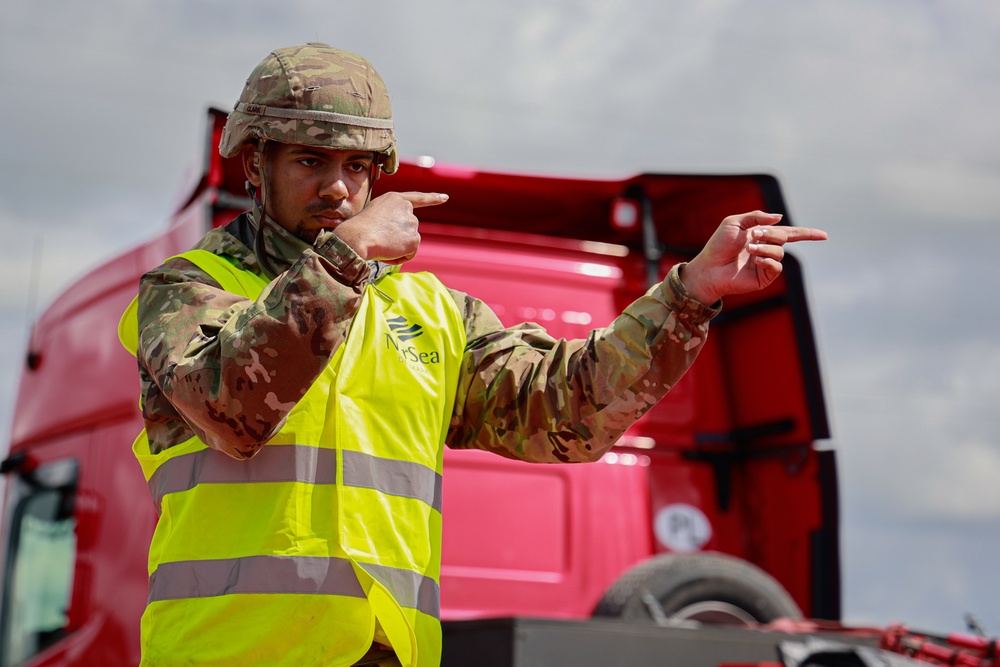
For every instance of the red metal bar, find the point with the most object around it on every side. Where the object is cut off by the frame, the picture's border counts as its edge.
(954, 649)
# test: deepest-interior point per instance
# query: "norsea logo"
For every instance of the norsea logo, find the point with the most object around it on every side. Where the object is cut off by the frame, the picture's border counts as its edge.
(403, 329)
(400, 333)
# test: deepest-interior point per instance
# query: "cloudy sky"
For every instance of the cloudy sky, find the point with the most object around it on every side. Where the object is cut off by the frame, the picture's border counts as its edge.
(878, 116)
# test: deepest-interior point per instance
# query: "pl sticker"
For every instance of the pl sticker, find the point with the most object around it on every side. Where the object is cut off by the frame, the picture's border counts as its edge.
(682, 528)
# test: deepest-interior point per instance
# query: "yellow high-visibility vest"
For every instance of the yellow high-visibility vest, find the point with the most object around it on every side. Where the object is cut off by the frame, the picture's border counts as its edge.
(289, 557)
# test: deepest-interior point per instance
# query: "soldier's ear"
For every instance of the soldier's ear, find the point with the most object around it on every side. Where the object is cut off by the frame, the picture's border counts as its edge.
(251, 163)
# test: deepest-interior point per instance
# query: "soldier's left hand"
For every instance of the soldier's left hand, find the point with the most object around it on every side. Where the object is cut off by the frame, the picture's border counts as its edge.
(743, 255)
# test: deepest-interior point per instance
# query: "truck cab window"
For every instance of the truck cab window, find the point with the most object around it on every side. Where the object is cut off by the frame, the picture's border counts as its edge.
(41, 552)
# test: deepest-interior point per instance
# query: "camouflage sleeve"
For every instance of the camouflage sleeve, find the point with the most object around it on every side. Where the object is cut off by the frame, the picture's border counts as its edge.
(526, 395)
(211, 358)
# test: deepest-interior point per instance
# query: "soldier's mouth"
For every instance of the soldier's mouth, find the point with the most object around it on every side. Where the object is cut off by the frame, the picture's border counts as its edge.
(329, 220)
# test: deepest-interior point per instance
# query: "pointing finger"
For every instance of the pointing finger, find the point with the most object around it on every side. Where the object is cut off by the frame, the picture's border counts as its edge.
(807, 234)
(782, 235)
(420, 199)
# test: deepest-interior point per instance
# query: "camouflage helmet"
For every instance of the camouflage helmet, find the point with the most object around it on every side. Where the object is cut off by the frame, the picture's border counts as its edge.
(314, 95)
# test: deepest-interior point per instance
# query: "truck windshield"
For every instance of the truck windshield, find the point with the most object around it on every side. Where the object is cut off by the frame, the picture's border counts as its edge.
(38, 577)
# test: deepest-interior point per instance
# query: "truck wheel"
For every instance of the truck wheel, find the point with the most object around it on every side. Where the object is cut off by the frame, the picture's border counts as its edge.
(712, 589)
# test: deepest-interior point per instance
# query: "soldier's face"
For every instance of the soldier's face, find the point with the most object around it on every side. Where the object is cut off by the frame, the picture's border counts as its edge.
(306, 189)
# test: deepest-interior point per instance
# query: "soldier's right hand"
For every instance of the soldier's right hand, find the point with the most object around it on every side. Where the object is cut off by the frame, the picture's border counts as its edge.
(387, 228)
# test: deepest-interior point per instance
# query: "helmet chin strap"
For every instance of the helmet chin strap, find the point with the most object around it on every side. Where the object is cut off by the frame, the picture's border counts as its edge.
(258, 214)
(373, 174)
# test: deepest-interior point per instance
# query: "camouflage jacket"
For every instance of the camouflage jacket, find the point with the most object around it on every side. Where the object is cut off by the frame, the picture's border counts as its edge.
(229, 370)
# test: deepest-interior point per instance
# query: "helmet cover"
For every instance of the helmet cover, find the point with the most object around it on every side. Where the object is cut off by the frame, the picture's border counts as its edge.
(314, 95)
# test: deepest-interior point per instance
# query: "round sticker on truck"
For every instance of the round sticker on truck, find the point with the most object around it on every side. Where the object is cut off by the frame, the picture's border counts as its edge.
(682, 528)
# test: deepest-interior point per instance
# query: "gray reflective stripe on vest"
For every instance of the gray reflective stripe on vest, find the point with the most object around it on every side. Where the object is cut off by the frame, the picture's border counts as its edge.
(297, 463)
(290, 575)
(396, 478)
(281, 463)
(408, 588)
(305, 575)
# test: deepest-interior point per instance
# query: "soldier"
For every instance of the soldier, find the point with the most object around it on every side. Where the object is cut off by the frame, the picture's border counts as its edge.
(296, 466)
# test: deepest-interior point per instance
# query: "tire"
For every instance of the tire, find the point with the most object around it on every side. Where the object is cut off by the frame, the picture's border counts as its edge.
(712, 589)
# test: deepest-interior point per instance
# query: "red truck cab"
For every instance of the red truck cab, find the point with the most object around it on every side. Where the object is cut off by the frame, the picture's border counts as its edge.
(717, 495)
